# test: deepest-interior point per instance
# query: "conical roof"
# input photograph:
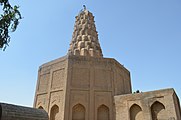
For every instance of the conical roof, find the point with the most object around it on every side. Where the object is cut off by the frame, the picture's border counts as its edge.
(85, 37)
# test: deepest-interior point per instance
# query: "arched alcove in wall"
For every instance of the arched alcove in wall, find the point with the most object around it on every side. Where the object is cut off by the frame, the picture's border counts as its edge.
(54, 113)
(78, 112)
(40, 107)
(157, 111)
(136, 112)
(103, 113)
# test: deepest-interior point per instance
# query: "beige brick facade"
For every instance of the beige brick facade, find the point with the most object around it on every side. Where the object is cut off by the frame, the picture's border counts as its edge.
(84, 85)
(154, 105)
(76, 82)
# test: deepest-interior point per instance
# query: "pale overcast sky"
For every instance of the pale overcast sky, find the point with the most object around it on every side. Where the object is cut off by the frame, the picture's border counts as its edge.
(143, 35)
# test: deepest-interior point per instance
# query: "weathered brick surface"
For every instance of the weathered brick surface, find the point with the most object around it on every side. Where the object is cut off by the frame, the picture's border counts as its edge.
(90, 82)
(14, 112)
(154, 105)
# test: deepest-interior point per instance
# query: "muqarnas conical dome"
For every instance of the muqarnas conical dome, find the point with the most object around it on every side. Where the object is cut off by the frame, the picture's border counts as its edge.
(85, 37)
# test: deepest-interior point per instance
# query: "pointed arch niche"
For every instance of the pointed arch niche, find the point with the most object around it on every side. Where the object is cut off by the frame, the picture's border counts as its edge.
(54, 113)
(103, 113)
(157, 111)
(40, 107)
(136, 112)
(78, 112)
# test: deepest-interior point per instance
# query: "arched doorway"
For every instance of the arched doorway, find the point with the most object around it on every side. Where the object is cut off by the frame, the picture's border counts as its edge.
(78, 112)
(54, 113)
(103, 113)
(157, 111)
(136, 112)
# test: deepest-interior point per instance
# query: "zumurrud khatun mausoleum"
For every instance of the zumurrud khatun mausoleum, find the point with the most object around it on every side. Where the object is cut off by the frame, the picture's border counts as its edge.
(83, 85)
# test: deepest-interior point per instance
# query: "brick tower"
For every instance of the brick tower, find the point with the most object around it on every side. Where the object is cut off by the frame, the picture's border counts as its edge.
(82, 84)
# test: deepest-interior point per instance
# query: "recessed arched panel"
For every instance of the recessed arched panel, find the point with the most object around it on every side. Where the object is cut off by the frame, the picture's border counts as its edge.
(136, 112)
(54, 113)
(103, 113)
(78, 112)
(40, 107)
(157, 111)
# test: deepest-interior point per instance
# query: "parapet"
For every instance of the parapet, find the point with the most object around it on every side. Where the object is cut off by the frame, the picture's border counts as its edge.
(14, 112)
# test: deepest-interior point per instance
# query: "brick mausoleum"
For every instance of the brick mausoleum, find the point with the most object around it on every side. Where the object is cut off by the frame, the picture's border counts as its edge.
(83, 85)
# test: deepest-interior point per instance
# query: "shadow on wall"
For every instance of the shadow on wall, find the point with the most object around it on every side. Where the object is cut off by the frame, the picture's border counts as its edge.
(158, 111)
(40, 107)
(136, 112)
(54, 113)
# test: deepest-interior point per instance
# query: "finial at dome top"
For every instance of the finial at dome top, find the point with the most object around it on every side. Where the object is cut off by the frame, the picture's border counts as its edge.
(84, 7)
